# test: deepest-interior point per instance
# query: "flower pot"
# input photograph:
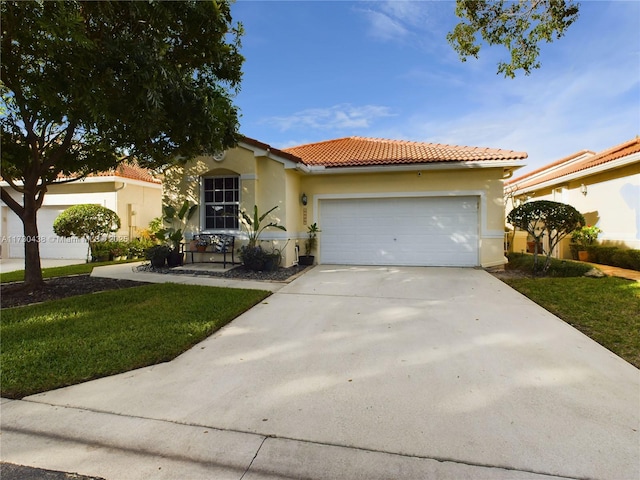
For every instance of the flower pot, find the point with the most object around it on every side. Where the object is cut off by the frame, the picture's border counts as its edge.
(583, 255)
(175, 259)
(531, 247)
(158, 261)
(306, 259)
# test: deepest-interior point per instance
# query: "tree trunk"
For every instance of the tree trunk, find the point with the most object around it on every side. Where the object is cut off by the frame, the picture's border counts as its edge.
(32, 267)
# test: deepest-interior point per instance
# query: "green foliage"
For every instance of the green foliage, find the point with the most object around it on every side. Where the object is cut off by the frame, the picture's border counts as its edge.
(258, 259)
(585, 236)
(615, 256)
(557, 268)
(69, 341)
(176, 220)
(254, 226)
(87, 221)
(312, 239)
(520, 26)
(543, 217)
(157, 255)
(87, 85)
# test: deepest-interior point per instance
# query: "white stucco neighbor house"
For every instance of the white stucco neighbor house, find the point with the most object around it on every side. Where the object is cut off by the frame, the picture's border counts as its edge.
(130, 191)
(604, 187)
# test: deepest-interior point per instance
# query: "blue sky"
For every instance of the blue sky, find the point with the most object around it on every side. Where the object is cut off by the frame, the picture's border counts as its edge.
(319, 70)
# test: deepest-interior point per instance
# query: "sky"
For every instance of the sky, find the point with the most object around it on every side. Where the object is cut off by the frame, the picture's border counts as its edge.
(321, 70)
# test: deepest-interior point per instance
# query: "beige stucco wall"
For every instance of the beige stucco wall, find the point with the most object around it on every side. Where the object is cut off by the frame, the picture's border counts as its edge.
(268, 181)
(263, 182)
(484, 183)
(612, 203)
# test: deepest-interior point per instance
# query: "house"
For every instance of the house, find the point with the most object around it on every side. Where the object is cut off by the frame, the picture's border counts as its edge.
(130, 191)
(604, 187)
(376, 201)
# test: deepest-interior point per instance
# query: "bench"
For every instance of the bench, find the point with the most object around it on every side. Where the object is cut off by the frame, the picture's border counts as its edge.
(216, 243)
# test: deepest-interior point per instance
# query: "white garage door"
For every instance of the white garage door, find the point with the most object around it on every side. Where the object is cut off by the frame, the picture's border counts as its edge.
(429, 231)
(51, 246)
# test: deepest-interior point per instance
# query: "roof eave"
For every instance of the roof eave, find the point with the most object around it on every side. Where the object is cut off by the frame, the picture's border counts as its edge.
(620, 162)
(510, 164)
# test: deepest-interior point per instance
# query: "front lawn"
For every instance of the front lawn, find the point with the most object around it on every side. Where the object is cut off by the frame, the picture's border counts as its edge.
(605, 309)
(64, 342)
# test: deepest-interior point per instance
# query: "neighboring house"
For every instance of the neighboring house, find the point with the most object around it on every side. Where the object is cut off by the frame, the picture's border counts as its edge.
(132, 192)
(377, 202)
(604, 187)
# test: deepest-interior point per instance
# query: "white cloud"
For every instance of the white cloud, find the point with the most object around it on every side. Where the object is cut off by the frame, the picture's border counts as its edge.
(400, 21)
(343, 116)
(383, 26)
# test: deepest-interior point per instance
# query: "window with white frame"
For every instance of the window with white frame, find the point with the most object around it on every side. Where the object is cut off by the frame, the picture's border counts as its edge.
(221, 197)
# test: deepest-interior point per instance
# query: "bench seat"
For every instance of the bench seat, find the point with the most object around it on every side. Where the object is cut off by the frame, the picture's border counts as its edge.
(216, 243)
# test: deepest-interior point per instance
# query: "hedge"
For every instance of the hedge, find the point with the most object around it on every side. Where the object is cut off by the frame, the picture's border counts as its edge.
(615, 256)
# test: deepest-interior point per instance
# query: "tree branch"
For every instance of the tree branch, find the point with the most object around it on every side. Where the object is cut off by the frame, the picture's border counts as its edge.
(10, 202)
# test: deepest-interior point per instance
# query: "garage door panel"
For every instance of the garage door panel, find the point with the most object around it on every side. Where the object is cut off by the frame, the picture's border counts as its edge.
(400, 231)
(51, 245)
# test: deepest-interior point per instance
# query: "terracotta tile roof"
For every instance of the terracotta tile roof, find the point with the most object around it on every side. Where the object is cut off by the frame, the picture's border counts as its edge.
(360, 151)
(133, 172)
(578, 162)
(125, 170)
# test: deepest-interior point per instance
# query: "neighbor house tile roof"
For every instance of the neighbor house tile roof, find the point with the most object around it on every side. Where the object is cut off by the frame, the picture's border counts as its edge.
(360, 151)
(124, 170)
(133, 172)
(578, 162)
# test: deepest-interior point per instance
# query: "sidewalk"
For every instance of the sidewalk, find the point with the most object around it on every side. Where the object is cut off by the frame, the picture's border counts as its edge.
(13, 264)
(618, 272)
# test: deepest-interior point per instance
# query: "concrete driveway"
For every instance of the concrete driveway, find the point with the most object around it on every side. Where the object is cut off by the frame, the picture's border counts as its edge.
(356, 372)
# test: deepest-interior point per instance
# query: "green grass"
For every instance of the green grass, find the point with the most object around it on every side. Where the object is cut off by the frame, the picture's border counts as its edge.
(605, 309)
(79, 269)
(64, 342)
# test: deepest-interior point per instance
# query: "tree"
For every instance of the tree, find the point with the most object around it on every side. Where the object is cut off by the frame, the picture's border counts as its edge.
(518, 25)
(543, 217)
(87, 85)
(87, 221)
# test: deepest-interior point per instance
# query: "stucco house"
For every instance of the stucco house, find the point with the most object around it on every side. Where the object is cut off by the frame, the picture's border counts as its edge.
(376, 201)
(132, 192)
(604, 187)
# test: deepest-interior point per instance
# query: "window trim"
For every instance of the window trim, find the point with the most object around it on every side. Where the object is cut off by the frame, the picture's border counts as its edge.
(204, 203)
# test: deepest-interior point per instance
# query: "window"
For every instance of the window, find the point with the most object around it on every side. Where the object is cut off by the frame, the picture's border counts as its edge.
(221, 203)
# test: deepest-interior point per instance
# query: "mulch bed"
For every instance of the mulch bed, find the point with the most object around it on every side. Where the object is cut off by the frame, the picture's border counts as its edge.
(14, 294)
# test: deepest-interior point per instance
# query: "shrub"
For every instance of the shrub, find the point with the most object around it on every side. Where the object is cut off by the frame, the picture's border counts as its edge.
(557, 268)
(258, 259)
(615, 256)
(600, 254)
(542, 218)
(87, 221)
(585, 236)
(100, 251)
(157, 255)
(137, 247)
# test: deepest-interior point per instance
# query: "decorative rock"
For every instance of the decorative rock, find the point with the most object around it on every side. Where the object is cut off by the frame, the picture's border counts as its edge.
(594, 273)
